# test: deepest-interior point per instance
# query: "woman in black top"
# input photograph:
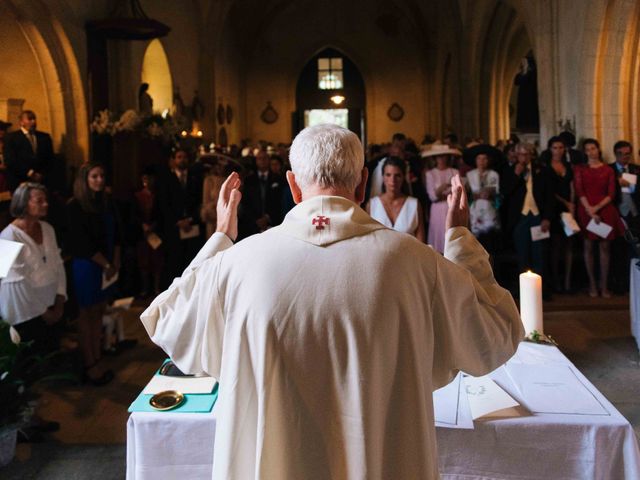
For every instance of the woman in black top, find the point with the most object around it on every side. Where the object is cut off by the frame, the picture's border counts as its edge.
(561, 178)
(94, 240)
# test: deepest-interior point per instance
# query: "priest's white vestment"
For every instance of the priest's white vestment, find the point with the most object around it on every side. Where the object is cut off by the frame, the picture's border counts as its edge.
(328, 335)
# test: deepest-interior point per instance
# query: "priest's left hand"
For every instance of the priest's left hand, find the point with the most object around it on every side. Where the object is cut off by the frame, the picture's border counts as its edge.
(227, 208)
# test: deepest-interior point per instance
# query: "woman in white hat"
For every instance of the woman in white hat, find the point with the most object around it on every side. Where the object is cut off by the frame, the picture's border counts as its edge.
(438, 182)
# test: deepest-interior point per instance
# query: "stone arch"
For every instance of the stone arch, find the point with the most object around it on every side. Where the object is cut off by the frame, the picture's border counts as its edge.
(609, 84)
(61, 78)
(504, 42)
(625, 74)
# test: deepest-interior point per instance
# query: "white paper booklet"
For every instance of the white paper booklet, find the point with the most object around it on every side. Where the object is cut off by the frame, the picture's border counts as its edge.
(9, 251)
(106, 283)
(486, 397)
(124, 303)
(161, 383)
(538, 234)
(553, 389)
(601, 229)
(569, 223)
(632, 179)
(194, 232)
(451, 407)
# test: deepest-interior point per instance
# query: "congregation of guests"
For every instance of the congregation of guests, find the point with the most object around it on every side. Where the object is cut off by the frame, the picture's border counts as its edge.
(138, 245)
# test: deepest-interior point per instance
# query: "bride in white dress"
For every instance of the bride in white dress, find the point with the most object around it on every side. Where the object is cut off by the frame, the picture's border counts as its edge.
(394, 208)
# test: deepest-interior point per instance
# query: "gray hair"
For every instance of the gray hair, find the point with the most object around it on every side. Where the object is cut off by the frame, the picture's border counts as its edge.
(328, 156)
(20, 198)
(527, 147)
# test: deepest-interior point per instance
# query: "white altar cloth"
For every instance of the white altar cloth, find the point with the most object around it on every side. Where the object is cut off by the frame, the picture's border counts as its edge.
(170, 445)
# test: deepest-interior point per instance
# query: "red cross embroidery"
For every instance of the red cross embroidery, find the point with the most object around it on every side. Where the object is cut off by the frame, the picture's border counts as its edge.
(320, 221)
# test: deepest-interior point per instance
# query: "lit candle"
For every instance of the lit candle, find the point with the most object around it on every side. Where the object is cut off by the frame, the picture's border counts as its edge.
(531, 302)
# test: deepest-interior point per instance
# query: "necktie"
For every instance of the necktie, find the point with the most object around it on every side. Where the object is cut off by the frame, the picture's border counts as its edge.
(32, 141)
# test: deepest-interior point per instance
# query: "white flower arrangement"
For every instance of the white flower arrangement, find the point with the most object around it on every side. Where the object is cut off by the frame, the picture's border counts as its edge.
(105, 123)
(128, 122)
(102, 123)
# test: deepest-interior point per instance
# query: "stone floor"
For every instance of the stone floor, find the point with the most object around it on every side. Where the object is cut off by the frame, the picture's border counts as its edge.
(593, 333)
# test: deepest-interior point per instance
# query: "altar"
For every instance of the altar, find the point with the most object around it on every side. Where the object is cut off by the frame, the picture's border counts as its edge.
(545, 446)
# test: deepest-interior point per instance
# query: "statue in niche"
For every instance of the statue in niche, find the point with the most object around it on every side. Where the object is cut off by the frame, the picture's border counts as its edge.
(145, 102)
(197, 107)
(527, 114)
(178, 104)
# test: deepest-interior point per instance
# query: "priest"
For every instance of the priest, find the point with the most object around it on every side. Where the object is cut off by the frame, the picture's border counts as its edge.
(329, 332)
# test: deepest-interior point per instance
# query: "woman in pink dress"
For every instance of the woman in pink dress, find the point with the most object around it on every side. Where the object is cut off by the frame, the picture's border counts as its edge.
(595, 189)
(438, 181)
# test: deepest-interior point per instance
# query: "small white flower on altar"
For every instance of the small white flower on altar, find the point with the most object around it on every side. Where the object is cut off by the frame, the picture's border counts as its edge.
(15, 336)
(3, 376)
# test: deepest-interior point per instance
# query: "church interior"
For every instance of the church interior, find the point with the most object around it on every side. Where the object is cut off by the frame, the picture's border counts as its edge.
(161, 100)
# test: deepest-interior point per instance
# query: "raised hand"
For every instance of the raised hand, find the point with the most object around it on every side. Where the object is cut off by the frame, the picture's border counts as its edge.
(227, 208)
(458, 213)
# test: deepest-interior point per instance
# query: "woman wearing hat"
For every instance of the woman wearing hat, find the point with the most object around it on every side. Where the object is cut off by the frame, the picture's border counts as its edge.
(438, 182)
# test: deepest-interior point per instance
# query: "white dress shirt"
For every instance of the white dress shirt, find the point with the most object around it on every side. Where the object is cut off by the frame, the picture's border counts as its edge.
(35, 278)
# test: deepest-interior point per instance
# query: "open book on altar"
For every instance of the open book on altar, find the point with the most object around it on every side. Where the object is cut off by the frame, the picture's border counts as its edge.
(468, 398)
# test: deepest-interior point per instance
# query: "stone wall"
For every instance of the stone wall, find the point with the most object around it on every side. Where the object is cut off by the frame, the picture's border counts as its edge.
(450, 65)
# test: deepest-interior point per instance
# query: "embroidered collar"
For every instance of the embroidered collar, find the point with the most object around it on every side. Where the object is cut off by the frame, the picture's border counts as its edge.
(324, 220)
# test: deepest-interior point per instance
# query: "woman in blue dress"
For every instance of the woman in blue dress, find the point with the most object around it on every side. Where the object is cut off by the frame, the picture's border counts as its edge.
(94, 240)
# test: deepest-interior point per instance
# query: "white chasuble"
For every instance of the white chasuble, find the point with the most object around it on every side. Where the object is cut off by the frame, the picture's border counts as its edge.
(328, 335)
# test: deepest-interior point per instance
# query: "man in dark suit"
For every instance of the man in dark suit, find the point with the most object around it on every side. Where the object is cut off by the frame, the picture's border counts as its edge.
(530, 203)
(261, 204)
(179, 194)
(28, 153)
(628, 202)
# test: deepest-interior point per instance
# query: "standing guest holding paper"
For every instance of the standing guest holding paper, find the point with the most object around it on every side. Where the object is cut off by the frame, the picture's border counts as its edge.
(94, 240)
(561, 177)
(530, 206)
(179, 195)
(628, 203)
(34, 291)
(595, 185)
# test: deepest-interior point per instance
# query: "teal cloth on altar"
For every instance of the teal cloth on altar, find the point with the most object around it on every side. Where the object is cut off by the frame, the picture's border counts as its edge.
(193, 402)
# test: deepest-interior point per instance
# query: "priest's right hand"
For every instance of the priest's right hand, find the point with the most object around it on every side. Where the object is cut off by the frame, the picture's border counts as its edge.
(227, 208)
(458, 213)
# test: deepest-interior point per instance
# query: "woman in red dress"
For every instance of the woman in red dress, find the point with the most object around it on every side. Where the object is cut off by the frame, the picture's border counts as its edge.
(596, 188)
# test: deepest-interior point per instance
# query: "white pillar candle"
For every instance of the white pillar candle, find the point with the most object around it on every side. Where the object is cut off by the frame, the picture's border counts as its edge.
(531, 302)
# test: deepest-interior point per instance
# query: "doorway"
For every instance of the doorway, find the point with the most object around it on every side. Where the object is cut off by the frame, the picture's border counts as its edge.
(330, 89)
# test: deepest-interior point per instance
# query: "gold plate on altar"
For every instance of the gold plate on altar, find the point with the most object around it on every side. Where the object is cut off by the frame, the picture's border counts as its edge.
(166, 400)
